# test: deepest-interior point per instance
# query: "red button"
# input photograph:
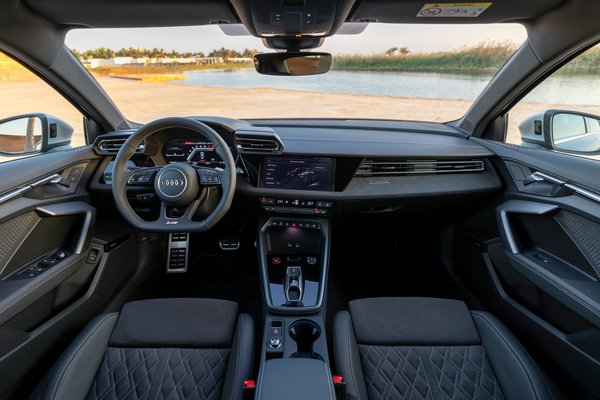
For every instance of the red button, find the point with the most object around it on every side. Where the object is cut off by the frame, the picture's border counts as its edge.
(250, 384)
(338, 379)
(276, 260)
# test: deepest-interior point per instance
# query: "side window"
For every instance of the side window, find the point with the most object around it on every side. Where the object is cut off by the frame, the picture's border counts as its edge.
(563, 112)
(34, 118)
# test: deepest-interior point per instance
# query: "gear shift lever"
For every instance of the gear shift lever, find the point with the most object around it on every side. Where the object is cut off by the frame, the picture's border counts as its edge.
(293, 284)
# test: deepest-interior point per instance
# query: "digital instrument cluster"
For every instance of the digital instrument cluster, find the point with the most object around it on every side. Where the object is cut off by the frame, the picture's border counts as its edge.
(196, 151)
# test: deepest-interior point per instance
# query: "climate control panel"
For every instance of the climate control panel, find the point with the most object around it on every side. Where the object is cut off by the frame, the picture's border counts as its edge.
(296, 206)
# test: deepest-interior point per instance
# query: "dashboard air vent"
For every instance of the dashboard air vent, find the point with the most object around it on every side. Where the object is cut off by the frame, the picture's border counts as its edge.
(112, 146)
(413, 167)
(258, 142)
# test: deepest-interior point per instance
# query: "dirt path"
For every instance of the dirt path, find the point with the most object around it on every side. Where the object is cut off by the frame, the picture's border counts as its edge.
(143, 102)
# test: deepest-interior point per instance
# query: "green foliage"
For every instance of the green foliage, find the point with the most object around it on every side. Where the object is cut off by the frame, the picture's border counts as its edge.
(105, 53)
(228, 53)
(484, 58)
(586, 63)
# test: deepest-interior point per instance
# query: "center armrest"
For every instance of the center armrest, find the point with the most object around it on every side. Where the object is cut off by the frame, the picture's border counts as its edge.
(295, 379)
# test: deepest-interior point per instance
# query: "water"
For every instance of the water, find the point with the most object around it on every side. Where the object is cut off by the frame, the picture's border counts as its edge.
(579, 89)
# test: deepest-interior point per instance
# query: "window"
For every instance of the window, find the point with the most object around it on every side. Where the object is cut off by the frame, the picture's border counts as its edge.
(24, 94)
(417, 72)
(563, 112)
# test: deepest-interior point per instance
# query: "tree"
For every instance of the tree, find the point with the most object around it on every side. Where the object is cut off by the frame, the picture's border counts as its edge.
(105, 53)
(77, 54)
(403, 51)
(391, 52)
(101, 52)
(249, 53)
(225, 53)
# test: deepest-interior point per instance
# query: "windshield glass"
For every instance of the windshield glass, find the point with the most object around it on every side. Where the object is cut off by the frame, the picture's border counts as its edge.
(402, 72)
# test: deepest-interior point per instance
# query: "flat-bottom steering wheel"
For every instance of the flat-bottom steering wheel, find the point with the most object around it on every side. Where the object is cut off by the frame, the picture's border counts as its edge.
(176, 185)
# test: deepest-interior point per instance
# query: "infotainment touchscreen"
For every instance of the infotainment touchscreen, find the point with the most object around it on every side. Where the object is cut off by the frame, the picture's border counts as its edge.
(300, 173)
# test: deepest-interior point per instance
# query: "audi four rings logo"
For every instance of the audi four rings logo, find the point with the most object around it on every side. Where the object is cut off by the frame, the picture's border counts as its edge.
(172, 182)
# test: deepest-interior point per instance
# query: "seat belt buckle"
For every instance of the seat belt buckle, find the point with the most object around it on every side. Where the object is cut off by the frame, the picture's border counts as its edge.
(249, 389)
(339, 384)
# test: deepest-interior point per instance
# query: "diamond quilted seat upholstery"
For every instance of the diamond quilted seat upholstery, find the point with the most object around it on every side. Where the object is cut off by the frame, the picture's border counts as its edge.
(165, 349)
(422, 348)
(411, 372)
(183, 374)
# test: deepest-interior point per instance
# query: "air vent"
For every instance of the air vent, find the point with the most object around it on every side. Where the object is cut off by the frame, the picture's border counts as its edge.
(413, 167)
(258, 142)
(112, 146)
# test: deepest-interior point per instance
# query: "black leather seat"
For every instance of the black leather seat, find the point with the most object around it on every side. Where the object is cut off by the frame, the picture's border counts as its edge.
(424, 348)
(158, 349)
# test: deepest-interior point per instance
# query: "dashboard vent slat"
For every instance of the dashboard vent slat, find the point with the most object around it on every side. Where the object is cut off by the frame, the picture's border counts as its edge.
(254, 141)
(256, 145)
(413, 167)
(112, 146)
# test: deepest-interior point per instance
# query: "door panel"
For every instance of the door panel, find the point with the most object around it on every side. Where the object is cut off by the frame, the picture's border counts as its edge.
(538, 264)
(553, 264)
(47, 256)
(46, 227)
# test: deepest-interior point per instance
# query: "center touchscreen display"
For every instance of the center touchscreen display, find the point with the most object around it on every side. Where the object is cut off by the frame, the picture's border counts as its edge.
(300, 173)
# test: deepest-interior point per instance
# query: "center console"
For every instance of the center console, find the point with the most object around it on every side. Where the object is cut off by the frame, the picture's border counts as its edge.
(294, 259)
(293, 247)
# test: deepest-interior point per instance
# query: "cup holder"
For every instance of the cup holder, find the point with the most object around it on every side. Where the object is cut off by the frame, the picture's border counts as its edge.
(305, 332)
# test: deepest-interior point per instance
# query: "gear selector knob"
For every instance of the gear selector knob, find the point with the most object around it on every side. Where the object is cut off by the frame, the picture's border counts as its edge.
(293, 284)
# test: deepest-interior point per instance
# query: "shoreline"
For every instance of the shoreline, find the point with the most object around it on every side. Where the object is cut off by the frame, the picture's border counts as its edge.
(142, 102)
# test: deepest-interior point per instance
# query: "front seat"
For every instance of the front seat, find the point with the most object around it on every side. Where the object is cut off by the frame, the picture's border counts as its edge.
(425, 348)
(158, 349)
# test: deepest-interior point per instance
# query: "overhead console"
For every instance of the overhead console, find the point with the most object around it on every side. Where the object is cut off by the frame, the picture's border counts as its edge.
(293, 18)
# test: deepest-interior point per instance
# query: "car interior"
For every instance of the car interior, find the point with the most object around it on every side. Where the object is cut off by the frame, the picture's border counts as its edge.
(206, 257)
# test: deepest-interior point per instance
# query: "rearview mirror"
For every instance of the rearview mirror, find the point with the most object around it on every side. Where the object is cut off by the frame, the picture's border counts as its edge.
(33, 133)
(563, 130)
(292, 63)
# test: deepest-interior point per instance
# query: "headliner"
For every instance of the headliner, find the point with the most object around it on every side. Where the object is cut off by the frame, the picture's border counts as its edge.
(151, 13)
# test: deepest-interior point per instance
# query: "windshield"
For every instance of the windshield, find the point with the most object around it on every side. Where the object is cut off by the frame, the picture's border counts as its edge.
(400, 72)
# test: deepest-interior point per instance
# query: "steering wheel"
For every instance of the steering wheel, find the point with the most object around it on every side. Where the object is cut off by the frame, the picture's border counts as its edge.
(177, 185)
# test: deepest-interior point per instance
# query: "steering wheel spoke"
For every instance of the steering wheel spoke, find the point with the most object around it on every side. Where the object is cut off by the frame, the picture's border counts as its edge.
(210, 177)
(142, 176)
(177, 217)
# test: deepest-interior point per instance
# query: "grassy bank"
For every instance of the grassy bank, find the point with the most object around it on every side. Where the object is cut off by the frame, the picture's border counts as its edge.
(485, 58)
(11, 71)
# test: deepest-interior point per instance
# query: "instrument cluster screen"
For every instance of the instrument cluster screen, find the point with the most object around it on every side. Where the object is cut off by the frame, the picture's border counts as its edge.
(195, 151)
(299, 173)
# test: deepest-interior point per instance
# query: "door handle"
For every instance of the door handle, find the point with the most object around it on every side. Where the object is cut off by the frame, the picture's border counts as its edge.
(542, 177)
(51, 179)
(54, 179)
(520, 207)
(564, 185)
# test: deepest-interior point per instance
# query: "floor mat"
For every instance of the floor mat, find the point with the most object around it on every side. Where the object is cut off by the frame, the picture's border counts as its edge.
(228, 276)
(374, 262)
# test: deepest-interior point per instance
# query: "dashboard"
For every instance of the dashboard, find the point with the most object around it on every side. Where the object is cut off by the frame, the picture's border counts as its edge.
(193, 150)
(360, 168)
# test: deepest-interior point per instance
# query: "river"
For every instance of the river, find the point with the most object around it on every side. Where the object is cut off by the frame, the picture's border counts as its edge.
(578, 89)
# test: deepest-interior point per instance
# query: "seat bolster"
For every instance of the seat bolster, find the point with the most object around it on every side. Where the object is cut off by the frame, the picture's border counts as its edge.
(239, 366)
(177, 322)
(75, 370)
(517, 373)
(347, 357)
(412, 321)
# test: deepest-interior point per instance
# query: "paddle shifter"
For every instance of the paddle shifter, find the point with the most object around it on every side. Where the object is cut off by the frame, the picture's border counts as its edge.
(293, 284)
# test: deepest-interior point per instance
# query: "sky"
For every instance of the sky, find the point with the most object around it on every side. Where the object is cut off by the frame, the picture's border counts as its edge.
(375, 39)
